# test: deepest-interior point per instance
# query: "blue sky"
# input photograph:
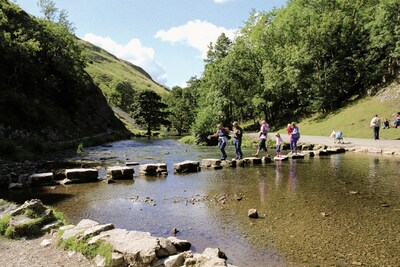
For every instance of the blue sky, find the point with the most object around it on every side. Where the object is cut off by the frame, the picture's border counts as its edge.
(167, 38)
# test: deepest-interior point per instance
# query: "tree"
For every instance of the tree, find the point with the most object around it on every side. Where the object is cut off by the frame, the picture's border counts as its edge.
(51, 13)
(148, 110)
(182, 108)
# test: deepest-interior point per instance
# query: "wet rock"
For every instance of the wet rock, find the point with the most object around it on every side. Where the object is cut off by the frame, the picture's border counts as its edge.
(281, 158)
(321, 152)
(252, 213)
(15, 186)
(120, 173)
(65, 181)
(153, 169)
(324, 214)
(180, 244)
(131, 163)
(266, 160)
(319, 147)
(308, 153)
(174, 231)
(210, 163)
(252, 160)
(82, 175)
(296, 156)
(228, 163)
(41, 179)
(187, 166)
(240, 163)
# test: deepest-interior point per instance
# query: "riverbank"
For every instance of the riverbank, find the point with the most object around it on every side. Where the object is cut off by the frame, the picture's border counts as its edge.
(362, 145)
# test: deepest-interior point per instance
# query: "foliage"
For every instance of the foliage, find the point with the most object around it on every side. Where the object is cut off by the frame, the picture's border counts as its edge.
(4, 223)
(307, 57)
(89, 250)
(148, 110)
(80, 148)
(182, 108)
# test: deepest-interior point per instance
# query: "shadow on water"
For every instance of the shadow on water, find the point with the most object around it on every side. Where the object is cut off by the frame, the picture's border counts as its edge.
(328, 210)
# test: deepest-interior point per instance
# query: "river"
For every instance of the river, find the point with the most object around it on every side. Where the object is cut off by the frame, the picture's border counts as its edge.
(336, 210)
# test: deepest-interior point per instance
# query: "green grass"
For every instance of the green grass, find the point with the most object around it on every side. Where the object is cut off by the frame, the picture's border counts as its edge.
(354, 119)
(90, 251)
(107, 71)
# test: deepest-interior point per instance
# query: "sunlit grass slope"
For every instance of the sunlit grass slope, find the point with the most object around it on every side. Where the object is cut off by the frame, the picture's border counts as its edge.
(108, 71)
(354, 119)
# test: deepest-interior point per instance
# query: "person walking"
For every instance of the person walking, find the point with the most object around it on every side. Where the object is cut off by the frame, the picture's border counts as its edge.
(237, 139)
(295, 136)
(375, 125)
(222, 135)
(262, 136)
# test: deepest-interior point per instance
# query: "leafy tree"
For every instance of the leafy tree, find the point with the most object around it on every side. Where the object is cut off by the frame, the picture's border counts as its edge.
(148, 110)
(52, 13)
(182, 108)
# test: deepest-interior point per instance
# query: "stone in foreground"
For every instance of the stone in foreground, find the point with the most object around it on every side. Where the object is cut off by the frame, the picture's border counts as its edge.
(281, 158)
(187, 166)
(252, 213)
(153, 169)
(120, 173)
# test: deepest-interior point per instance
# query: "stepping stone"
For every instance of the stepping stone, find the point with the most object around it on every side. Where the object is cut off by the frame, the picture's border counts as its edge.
(266, 160)
(153, 169)
(187, 166)
(281, 158)
(229, 163)
(40, 179)
(252, 160)
(210, 162)
(120, 173)
(82, 175)
(296, 156)
(131, 163)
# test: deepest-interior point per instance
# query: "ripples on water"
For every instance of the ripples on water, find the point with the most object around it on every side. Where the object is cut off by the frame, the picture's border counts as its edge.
(334, 210)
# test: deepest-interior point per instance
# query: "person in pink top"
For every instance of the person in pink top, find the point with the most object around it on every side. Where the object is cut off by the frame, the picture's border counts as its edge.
(278, 144)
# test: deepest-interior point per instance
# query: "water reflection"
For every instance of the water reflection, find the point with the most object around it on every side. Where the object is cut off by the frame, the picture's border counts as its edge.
(278, 173)
(293, 179)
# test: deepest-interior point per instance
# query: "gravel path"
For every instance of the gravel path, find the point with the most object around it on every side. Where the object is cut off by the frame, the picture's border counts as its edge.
(384, 145)
(30, 253)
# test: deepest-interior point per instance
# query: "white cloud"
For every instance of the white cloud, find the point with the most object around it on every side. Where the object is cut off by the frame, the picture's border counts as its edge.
(133, 52)
(197, 34)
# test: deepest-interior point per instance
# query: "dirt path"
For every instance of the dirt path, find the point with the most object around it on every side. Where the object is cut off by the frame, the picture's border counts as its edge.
(356, 143)
(30, 253)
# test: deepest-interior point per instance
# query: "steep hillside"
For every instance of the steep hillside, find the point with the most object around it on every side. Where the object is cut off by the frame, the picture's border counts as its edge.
(117, 78)
(45, 93)
(354, 119)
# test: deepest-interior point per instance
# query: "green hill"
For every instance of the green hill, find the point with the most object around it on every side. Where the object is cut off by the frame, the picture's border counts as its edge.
(354, 119)
(46, 96)
(117, 78)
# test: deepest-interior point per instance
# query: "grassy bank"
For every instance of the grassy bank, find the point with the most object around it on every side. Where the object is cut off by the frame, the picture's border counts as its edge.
(354, 119)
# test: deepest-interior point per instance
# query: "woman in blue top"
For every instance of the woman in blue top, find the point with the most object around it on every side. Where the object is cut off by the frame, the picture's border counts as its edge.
(222, 135)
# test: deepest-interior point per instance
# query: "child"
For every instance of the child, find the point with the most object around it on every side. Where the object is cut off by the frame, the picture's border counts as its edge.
(278, 144)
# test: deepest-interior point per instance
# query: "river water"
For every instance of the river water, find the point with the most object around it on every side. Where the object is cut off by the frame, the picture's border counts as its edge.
(337, 210)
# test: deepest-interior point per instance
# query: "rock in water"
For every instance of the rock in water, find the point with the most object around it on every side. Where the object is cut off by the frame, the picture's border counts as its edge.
(252, 213)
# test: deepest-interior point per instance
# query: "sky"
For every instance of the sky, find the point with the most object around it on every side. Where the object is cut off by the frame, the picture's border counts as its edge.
(167, 38)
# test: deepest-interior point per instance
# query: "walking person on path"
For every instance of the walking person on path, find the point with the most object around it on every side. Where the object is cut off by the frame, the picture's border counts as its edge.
(375, 124)
(222, 135)
(237, 140)
(262, 136)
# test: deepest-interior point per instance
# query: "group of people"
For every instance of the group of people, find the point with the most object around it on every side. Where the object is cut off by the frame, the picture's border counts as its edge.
(223, 137)
(376, 124)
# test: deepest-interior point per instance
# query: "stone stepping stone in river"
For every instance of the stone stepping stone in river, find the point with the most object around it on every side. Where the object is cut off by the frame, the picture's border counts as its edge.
(82, 175)
(282, 158)
(153, 169)
(266, 160)
(41, 179)
(296, 156)
(131, 163)
(229, 163)
(120, 173)
(187, 166)
(215, 164)
(252, 160)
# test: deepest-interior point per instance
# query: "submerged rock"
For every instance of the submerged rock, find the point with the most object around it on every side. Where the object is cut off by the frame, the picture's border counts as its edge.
(252, 213)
